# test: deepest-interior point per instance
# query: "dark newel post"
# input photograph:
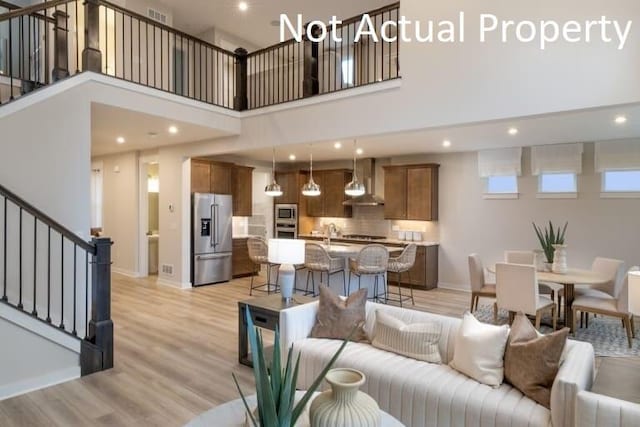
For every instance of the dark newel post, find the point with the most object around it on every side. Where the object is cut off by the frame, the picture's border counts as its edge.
(97, 351)
(310, 84)
(61, 52)
(91, 55)
(241, 101)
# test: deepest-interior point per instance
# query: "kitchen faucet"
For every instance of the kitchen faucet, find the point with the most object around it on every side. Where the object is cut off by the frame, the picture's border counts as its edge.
(331, 230)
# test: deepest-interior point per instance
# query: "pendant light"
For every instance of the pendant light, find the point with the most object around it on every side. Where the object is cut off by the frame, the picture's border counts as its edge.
(311, 189)
(273, 189)
(355, 188)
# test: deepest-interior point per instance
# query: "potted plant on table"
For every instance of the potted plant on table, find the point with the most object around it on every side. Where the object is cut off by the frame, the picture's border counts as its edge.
(551, 238)
(276, 385)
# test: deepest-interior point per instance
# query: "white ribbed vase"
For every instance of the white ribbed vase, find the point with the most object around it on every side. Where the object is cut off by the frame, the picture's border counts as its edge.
(344, 405)
(559, 259)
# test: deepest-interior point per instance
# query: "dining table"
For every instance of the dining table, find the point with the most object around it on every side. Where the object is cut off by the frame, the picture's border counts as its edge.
(568, 280)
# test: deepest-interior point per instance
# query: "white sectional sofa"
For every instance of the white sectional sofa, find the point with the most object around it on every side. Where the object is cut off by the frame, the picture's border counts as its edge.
(421, 394)
(595, 410)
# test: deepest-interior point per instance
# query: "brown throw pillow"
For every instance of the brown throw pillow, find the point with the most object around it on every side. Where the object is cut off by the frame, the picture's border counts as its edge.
(337, 317)
(531, 362)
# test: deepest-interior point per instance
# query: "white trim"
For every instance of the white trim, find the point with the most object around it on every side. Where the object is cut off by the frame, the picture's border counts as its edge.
(567, 195)
(455, 287)
(500, 196)
(173, 284)
(124, 272)
(33, 384)
(620, 195)
(40, 328)
(327, 97)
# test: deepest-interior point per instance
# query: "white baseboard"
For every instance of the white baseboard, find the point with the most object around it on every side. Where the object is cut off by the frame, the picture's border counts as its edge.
(455, 286)
(124, 272)
(173, 284)
(32, 384)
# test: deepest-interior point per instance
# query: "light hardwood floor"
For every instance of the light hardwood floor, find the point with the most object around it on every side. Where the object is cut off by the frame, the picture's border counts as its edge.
(174, 354)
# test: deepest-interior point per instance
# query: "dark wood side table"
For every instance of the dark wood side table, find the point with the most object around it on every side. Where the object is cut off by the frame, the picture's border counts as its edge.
(619, 377)
(265, 313)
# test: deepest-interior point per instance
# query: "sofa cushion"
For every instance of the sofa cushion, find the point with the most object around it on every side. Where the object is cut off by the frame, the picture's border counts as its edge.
(479, 350)
(337, 317)
(416, 340)
(531, 362)
(420, 393)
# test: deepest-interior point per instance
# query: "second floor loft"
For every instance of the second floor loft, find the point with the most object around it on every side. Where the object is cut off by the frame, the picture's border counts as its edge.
(49, 41)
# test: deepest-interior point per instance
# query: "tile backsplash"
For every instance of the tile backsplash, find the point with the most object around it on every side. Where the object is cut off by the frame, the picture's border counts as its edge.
(370, 220)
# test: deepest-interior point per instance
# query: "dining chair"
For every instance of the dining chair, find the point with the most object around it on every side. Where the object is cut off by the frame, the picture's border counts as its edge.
(607, 305)
(318, 260)
(529, 258)
(517, 291)
(259, 255)
(479, 287)
(398, 265)
(610, 268)
(372, 260)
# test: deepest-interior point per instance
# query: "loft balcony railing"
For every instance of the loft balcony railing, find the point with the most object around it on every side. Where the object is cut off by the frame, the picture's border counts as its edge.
(46, 42)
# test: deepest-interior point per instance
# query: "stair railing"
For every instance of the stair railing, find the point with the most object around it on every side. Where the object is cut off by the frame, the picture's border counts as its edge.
(55, 276)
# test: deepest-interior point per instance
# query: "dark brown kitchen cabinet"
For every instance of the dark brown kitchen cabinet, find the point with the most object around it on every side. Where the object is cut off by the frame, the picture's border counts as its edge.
(242, 190)
(221, 178)
(200, 176)
(424, 273)
(241, 264)
(329, 202)
(289, 183)
(411, 192)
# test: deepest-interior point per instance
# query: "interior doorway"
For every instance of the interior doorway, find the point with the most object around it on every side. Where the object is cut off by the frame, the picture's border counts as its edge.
(149, 239)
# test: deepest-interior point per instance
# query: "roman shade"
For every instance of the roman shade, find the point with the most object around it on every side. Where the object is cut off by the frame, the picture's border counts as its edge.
(559, 158)
(500, 162)
(617, 155)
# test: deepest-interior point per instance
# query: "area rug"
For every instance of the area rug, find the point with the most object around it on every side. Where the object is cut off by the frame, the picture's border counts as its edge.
(606, 334)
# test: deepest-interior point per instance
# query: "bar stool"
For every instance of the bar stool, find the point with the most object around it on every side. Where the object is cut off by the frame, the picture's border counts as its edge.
(372, 260)
(317, 259)
(259, 255)
(402, 264)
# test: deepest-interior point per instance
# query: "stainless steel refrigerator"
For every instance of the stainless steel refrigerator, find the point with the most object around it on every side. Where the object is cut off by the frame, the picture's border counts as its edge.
(211, 242)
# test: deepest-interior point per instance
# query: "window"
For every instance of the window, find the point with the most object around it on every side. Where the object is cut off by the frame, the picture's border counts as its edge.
(507, 184)
(621, 181)
(557, 183)
(347, 71)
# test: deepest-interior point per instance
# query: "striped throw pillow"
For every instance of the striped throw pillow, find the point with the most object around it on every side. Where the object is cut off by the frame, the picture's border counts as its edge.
(416, 340)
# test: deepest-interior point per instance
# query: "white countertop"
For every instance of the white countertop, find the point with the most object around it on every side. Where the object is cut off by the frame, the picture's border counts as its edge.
(381, 241)
(345, 250)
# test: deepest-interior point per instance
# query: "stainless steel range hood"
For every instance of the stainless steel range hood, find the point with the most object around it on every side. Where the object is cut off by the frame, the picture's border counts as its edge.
(367, 172)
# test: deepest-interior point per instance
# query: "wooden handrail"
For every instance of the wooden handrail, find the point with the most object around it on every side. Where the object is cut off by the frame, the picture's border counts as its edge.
(47, 220)
(28, 10)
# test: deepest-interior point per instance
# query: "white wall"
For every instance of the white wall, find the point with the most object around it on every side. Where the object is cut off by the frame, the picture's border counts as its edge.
(468, 223)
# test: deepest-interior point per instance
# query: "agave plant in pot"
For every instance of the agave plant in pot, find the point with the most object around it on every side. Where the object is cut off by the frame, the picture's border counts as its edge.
(277, 405)
(552, 239)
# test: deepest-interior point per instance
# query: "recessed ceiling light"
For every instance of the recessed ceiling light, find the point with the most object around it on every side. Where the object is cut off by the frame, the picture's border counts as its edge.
(243, 6)
(621, 119)
(359, 151)
(173, 130)
(446, 143)
(337, 145)
(513, 131)
(292, 157)
(120, 140)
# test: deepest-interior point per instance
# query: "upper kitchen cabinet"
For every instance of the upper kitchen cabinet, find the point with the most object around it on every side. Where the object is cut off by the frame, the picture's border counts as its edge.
(411, 192)
(221, 178)
(200, 176)
(288, 182)
(329, 202)
(242, 189)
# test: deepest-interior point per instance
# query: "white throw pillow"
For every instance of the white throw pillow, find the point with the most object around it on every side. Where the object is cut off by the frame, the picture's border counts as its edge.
(479, 350)
(415, 340)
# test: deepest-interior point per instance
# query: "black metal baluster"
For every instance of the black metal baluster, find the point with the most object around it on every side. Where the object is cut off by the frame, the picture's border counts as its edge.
(139, 53)
(397, 47)
(106, 42)
(61, 282)
(77, 41)
(75, 285)
(4, 252)
(49, 275)
(161, 59)
(131, 47)
(146, 47)
(155, 60)
(20, 260)
(86, 294)
(35, 265)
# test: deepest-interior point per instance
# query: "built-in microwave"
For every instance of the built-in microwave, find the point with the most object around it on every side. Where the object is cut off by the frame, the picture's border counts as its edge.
(286, 213)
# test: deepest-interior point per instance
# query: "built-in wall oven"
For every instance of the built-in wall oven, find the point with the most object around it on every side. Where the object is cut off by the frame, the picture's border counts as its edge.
(286, 221)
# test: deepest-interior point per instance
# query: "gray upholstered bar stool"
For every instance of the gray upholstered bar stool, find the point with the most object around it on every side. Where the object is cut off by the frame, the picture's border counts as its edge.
(398, 265)
(259, 255)
(372, 260)
(318, 260)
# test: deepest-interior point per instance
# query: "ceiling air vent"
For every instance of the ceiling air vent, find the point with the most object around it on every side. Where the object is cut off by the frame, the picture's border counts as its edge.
(157, 15)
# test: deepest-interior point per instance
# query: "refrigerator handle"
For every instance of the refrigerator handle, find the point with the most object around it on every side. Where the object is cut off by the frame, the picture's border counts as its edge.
(212, 231)
(216, 242)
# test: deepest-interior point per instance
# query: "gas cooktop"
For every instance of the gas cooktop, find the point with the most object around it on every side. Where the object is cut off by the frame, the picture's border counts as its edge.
(362, 237)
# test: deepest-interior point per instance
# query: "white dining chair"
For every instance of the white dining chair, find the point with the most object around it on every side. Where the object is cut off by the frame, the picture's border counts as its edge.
(479, 287)
(607, 305)
(517, 291)
(529, 258)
